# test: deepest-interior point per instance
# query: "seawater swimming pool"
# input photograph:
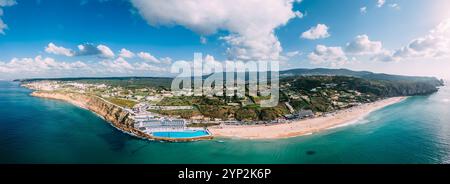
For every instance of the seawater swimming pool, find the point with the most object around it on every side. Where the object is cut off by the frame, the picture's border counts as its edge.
(182, 134)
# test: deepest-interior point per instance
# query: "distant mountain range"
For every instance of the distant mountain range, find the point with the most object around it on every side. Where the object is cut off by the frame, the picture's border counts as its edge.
(359, 74)
(287, 73)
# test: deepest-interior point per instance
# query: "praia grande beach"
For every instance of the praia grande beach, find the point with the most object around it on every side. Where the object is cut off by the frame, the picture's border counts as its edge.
(303, 127)
(410, 131)
(151, 112)
(224, 82)
(285, 129)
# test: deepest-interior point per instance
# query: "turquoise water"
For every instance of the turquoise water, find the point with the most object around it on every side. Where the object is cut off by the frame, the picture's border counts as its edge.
(184, 134)
(34, 130)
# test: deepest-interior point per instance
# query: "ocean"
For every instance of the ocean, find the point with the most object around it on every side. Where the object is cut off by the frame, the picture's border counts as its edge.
(35, 130)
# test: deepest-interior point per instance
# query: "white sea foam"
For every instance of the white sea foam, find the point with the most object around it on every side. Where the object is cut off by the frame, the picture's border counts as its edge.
(358, 121)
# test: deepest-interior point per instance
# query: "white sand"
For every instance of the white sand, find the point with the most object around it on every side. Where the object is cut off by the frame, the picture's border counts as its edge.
(303, 127)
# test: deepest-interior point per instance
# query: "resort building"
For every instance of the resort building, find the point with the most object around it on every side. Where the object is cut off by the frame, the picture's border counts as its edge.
(169, 129)
(170, 108)
(165, 123)
(302, 114)
(150, 124)
(305, 114)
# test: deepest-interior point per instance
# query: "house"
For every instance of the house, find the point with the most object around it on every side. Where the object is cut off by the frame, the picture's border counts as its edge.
(305, 114)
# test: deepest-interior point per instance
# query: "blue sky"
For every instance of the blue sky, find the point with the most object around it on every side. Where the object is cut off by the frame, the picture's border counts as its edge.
(393, 36)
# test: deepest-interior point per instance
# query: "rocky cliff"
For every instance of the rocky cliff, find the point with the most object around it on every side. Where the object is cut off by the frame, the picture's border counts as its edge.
(114, 114)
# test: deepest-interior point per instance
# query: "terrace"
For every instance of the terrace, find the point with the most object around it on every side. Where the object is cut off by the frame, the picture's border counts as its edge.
(168, 128)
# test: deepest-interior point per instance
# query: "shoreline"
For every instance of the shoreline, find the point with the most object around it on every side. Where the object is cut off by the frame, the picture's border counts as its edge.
(279, 131)
(303, 127)
(115, 115)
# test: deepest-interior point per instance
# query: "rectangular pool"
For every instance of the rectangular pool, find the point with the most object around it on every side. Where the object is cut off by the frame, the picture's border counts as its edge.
(182, 134)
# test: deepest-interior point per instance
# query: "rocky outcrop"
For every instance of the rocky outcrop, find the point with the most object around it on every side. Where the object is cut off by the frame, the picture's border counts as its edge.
(116, 115)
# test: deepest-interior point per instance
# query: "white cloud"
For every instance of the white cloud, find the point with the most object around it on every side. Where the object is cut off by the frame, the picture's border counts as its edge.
(362, 45)
(251, 23)
(299, 14)
(83, 50)
(443, 29)
(260, 48)
(210, 64)
(149, 67)
(395, 6)
(105, 51)
(166, 60)
(363, 10)
(436, 44)
(331, 56)
(316, 32)
(148, 57)
(90, 49)
(428, 46)
(5, 3)
(3, 26)
(207, 66)
(53, 49)
(87, 50)
(384, 56)
(120, 65)
(124, 53)
(380, 3)
(50, 67)
(203, 40)
(39, 66)
(293, 53)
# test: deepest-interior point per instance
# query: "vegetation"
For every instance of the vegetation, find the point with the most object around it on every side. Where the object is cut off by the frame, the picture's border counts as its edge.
(191, 100)
(319, 90)
(128, 82)
(185, 114)
(122, 102)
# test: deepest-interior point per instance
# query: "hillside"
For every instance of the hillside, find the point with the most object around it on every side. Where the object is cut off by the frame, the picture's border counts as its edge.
(359, 74)
(316, 90)
(165, 82)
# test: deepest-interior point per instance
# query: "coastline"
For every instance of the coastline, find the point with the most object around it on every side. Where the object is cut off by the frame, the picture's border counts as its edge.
(116, 116)
(303, 127)
(120, 120)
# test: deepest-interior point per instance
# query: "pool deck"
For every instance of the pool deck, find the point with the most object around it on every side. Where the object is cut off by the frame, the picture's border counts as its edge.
(168, 139)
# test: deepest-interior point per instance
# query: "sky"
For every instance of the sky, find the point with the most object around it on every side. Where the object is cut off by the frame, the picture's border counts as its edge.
(101, 38)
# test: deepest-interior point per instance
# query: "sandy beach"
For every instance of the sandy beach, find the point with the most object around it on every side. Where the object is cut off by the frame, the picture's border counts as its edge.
(303, 127)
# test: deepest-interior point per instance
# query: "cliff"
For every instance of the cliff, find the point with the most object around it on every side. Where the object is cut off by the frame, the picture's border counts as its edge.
(114, 114)
(381, 88)
(117, 116)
